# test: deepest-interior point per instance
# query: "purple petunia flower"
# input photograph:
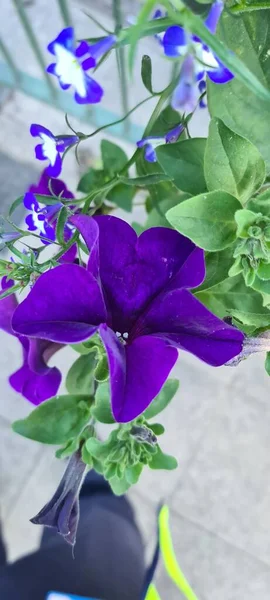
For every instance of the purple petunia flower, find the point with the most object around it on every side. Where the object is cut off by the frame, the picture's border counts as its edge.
(62, 511)
(176, 41)
(71, 64)
(151, 142)
(51, 147)
(134, 292)
(34, 380)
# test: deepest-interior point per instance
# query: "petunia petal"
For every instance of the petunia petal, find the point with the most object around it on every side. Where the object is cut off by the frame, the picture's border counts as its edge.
(134, 270)
(7, 307)
(137, 372)
(93, 92)
(65, 306)
(89, 230)
(186, 323)
(174, 41)
(36, 388)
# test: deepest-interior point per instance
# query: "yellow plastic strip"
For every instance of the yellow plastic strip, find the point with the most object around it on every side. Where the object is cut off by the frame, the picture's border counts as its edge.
(169, 557)
(152, 593)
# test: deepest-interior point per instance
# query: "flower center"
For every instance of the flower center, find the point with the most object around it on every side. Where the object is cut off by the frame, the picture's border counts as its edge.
(123, 337)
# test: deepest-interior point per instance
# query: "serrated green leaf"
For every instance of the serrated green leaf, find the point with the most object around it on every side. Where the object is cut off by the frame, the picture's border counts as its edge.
(146, 180)
(146, 72)
(81, 375)
(232, 163)
(102, 407)
(184, 163)
(162, 400)
(56, 421)
(207, 219)
(163, 461)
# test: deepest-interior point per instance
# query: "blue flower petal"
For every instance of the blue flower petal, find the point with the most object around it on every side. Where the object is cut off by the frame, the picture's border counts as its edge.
(29, 220)
(213, 16)
(174, 41)
(220, 75)
(65, 38)
(39, 152)
(97, 50)
(88, 63)
(94, 92)
(55, 170)
(150, 153)
(30, 202)
(82, 49)
(36, 130)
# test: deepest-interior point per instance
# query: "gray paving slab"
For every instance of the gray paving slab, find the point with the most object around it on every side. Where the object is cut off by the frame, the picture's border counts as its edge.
(215, 569)
(226, 488)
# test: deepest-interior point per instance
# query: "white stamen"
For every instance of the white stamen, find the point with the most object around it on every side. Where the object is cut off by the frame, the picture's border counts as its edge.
(118, 334)
(125, 335)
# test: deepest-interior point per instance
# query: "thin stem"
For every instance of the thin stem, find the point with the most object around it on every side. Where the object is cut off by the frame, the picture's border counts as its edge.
(118, 121)
(240, 8)
(121, 59)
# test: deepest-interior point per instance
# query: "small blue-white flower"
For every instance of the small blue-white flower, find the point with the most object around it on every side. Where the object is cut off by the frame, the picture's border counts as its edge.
(51, 148)
(38, 219)
(176, 42)
(71, 64)
(185, 96)
(150, 143)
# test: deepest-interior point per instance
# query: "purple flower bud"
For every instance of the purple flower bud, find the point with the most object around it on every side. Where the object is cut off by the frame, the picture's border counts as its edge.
(62, 511)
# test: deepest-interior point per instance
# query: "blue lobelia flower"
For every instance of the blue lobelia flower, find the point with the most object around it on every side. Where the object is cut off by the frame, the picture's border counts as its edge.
(151, 142)
(71, 64)
(135, 293)
(51, 148)
(38, 219)
(185, 96)
(176, 42)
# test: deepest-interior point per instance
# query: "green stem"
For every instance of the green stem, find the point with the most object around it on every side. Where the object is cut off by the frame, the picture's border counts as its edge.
(121, 59)
(241, 8)
(119, 120)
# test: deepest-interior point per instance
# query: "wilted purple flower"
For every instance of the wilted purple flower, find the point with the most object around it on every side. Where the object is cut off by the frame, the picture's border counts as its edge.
(151, 142)
(51, 147)
(62, 511)
(134, 292)
(34, 380)
(185, 95)
(71, 64)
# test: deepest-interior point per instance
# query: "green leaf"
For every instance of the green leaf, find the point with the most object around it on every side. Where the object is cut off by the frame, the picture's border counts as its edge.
(248, 35)
(217, 265)
(61, 221)
(81, 348)
(113, 157)
(157, 216)
(244, 219)
(207, 219)
(267, 363)
(260, 204)
(92, 180)
(86, 456)
(233, 298)
(119, 486)
(146, 72)
(132, 474)
(232, 163)
(184, 163)
(68, 449)
(81, 375)
(162, 399)
(157, 428)
(146, 180)
(97, 449)
(102, 369)
(56, 421)
(102, 407)
(122, 195)
(163, 461)
(136, 30)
